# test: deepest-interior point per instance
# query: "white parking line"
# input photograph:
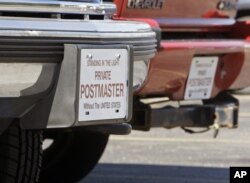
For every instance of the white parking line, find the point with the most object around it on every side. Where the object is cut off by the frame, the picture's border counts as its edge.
(244, 115)
(241, 97)
(163, 139)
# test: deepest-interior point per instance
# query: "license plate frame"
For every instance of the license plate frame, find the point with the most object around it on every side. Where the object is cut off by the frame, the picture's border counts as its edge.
(102, 108)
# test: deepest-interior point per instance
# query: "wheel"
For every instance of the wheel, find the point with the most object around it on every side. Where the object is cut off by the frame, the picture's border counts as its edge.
(72, 156)
(20, 155)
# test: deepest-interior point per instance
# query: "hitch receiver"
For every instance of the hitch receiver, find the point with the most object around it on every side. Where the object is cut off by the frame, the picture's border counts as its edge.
(222, 110)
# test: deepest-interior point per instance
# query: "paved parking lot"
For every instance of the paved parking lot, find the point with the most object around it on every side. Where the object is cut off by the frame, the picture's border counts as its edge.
(173, 156)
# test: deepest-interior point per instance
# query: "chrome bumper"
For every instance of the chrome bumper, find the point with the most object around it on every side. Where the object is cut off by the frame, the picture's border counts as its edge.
(42, 41)
(26, 42)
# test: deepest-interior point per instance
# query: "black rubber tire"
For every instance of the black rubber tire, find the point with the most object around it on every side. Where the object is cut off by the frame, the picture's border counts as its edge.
(20, 155)
(72, 156)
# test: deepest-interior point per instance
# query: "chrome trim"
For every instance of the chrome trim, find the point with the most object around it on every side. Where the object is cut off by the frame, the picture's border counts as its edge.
(195, 23)
(243, 5)
(45, 49)
(70, 28)
(53, 6)
(140, 74)
(225, 115)
(26, 30)
(58, 34)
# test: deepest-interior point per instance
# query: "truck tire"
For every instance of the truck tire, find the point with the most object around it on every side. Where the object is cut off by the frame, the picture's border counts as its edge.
(20, 155)
(72, 156)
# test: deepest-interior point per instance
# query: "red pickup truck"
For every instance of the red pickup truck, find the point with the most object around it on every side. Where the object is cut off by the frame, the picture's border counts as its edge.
(203, 54)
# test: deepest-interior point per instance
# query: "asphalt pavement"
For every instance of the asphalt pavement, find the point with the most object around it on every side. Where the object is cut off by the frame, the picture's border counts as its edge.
(173, 156)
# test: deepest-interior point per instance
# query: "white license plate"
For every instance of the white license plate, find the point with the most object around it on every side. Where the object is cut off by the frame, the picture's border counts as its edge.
(103, 91)
(201, 78)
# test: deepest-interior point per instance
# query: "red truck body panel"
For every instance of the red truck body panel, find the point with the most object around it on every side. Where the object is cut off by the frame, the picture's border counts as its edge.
(169, 70)
(176, 8)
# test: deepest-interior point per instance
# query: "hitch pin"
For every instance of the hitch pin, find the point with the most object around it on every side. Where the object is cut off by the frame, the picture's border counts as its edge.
(216, 126)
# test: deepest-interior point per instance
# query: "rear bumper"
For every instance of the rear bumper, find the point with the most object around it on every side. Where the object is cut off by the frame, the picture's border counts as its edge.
(170, 68)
